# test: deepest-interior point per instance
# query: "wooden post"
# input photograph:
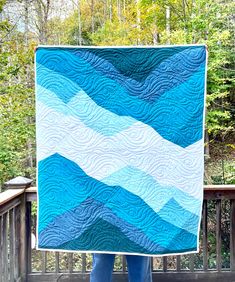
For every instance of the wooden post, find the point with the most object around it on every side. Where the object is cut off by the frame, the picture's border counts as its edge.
(178, 263)
(44, 261)
(24, 232)
(1, 264)
(70, 262)
(123, 264)
(17, 243)
(232, 236)
(28, 236)
(191, 262)
(83, 263)
(164, 261)
(205, 236)
(218, 235)
(12, 253)
(57, 262)
(4, 247)
(23, 242)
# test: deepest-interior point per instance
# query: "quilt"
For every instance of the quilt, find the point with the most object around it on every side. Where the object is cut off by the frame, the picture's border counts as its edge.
(120, 149)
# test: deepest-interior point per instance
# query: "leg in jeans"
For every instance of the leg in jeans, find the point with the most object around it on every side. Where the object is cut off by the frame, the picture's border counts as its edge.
(102, 267)
(139, 268)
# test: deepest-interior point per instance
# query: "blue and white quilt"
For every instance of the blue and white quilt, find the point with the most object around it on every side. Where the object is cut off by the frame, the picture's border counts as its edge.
(120, 148)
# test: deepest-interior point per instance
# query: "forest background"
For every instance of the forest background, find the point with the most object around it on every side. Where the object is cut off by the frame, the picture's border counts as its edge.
(26, 23)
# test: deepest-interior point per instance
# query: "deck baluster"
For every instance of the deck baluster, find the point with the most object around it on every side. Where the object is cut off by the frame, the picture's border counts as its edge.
(16, 255)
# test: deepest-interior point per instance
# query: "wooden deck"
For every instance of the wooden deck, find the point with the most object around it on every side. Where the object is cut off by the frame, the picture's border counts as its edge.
(213, 263)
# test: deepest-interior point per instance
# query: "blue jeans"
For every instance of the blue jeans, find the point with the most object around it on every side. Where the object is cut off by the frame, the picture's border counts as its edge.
(139, 268)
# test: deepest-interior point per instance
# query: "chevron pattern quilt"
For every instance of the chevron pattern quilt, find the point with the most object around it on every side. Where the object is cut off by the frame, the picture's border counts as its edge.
(120, 148)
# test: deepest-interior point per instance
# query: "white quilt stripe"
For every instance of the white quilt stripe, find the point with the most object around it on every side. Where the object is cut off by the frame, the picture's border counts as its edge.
(138, 146)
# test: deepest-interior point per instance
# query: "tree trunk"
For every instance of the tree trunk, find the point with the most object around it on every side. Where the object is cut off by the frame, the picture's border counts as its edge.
(26, 22)
(79, 24)
(207, 148)
(110, 10)
(192, 17)
(105, 11)
(119, 10)
(155, 31)
(168, 29)
(138, 22)
(42, 12)
(184, 16)
(92, 17)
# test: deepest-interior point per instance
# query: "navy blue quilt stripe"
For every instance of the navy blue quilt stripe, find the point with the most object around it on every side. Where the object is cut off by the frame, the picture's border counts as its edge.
(103, 236)
(73, 223)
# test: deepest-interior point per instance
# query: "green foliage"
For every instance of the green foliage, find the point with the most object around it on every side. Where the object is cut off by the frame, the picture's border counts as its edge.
(17, 130)
(220, 171)
(2, 3)
(118, 22)
(140, 22)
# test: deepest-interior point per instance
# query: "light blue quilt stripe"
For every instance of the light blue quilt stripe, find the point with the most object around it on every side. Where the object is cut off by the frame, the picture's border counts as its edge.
(148, 189)
(82, 106)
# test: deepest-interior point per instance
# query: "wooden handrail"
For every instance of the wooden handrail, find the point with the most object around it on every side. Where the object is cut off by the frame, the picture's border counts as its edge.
(224, 187)
(34, 190)
(10, 194)
(206, 187)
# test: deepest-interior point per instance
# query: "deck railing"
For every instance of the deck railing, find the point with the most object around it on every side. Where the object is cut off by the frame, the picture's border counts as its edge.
(20, 262)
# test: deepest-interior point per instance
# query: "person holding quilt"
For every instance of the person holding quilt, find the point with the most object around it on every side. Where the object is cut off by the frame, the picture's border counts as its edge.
(139, 268)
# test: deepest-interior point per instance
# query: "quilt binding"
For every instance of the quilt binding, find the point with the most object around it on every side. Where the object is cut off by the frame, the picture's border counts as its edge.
(203, 136)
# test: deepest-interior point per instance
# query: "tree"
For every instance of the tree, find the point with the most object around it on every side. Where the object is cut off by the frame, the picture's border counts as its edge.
(16, 104)
(107, 22)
